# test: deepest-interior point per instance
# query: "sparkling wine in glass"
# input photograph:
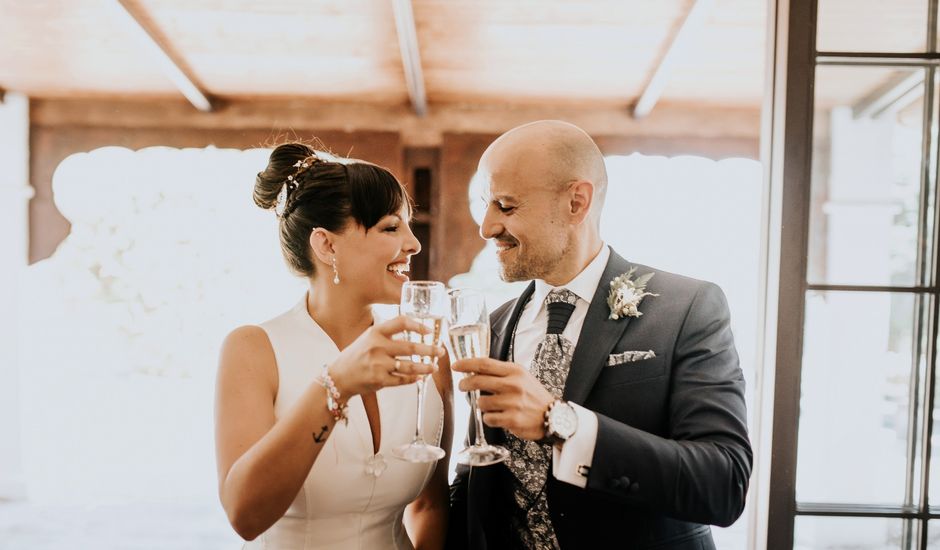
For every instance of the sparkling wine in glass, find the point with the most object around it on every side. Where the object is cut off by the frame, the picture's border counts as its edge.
(425, 302)
(469, 331)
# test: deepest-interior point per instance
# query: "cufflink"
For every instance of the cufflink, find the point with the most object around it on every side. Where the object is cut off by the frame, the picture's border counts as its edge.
(583, 470)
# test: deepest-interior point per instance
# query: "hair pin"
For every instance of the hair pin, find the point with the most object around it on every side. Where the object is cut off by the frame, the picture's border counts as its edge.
(280, 206)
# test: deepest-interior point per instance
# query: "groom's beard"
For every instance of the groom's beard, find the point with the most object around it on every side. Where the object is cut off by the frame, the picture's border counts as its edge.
(534, 262)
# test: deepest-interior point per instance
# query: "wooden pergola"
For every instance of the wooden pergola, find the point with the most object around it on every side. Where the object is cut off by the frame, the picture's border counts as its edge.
(420, 53)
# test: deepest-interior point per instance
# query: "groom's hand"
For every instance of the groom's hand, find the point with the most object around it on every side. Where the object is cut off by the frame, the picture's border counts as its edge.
(516, 402)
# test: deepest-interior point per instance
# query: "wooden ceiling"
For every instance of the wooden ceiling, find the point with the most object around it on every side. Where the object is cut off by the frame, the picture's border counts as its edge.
(598, 53)
(471, 51)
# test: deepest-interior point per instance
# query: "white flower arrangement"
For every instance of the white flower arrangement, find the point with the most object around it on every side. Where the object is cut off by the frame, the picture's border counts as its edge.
(626, 294)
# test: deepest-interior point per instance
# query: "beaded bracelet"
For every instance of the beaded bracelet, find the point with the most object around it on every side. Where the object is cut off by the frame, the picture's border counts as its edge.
(333, 398)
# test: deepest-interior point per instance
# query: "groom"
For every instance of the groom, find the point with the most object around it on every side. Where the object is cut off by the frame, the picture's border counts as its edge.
(615, 386)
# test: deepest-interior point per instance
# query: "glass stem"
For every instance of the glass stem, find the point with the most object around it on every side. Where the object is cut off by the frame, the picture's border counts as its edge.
(419, 436)
(479, 439)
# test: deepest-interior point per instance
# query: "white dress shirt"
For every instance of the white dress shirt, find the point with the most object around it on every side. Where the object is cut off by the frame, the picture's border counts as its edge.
(578, 450)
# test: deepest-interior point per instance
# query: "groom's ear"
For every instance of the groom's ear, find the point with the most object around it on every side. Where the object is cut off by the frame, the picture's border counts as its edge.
(580, 198)
(321, 244)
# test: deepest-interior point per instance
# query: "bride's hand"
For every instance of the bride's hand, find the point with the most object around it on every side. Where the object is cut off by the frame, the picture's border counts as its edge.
(371, 362)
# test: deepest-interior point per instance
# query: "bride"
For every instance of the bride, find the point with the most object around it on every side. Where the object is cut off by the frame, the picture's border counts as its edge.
(309, 403)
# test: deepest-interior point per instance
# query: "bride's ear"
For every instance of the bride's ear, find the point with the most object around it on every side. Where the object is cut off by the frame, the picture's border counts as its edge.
(321, 243)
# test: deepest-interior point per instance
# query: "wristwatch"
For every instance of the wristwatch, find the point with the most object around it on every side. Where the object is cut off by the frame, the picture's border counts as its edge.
(561, 421)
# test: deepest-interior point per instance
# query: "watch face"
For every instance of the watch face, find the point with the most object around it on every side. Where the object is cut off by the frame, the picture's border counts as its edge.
(563, 420)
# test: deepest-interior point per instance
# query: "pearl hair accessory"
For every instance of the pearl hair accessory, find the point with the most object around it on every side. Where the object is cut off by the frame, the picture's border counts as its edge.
(280, 206)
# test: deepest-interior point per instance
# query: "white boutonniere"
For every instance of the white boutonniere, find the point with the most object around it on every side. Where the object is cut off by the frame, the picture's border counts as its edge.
(626, 294)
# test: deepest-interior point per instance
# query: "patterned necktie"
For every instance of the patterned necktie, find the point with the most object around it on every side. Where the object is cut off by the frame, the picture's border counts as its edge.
(529, 461)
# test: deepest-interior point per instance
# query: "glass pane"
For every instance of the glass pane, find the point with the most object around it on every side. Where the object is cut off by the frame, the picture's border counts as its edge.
(933, 535)
(866, 176)
(834, 533)
(853, 427)
(871, 26)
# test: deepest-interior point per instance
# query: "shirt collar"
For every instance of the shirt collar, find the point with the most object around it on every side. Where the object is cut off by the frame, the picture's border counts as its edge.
(584, 285)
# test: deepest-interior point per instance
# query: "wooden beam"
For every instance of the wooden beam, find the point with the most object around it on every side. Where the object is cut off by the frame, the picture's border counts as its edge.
(669, 120)
(410, 55)
(681, 42)
(158, 47)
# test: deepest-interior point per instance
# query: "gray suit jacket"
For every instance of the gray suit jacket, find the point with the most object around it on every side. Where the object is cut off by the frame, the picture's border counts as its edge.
(672, 452)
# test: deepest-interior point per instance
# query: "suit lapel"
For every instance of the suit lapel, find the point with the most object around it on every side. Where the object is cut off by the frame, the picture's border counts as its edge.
(500, 342)
(599, 335)
(504, 328)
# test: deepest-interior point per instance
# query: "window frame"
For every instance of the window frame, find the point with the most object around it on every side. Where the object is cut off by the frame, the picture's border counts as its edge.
(788, 158)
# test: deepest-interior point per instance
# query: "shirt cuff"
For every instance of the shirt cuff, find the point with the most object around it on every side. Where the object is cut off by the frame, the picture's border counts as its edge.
(572, 461)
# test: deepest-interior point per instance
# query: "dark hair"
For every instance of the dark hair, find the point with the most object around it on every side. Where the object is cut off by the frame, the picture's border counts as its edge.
(326, 194)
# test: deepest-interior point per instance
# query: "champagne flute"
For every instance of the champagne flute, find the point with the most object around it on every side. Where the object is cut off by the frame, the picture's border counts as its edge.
(469, 330)
(425, 302)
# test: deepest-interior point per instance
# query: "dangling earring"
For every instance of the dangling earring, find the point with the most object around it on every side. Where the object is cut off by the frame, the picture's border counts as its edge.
(335, 272)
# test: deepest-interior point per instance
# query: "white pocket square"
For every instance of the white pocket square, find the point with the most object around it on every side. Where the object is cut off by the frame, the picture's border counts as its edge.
(629, 357)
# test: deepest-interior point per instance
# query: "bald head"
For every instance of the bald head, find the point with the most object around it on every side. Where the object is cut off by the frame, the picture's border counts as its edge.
(544, 191)
(558, 152)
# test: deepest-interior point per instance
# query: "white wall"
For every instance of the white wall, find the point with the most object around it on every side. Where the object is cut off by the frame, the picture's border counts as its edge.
(14, 194)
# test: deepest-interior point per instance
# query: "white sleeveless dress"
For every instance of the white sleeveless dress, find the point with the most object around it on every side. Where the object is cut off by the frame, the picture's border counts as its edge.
(352, 498)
